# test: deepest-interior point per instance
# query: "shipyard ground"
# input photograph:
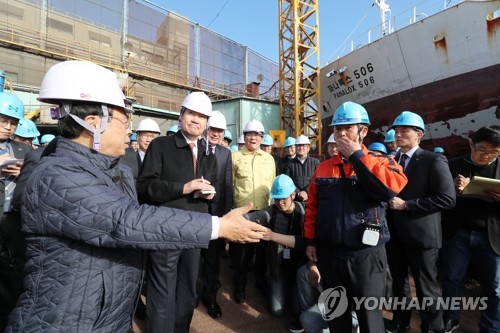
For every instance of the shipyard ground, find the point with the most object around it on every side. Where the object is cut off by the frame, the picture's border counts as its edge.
(252, 316)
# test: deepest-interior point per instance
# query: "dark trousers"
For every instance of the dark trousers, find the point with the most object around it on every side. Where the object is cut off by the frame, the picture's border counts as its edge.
(12, 259)
(362, 275)
(422, 263)
(171, 292)
(210, 270)
(241, 256)
(457, 253)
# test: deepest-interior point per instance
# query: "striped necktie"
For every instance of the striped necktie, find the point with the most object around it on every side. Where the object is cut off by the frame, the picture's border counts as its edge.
(195, 161)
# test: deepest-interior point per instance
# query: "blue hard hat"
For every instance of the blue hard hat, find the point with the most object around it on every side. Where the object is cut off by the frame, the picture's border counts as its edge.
(390, 136)
(228, 136)
(173, 129)
(290, 141)
(268, 140)
(35, 142)
(11, 106)
(133, 137)
(46, 138)
(408, 118)
(282, 188)
(349, 113)
(439, 150)
(234, 148)
(26, 129)
(378, 146)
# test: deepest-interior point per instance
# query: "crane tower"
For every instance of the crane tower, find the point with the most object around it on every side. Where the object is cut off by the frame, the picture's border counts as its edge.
(299, 69)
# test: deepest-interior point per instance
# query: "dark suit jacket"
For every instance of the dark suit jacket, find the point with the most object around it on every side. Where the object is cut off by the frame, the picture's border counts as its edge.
(430, 190)
(167, 166)
(453, 219)
(224, 201)
(133, 161)
(19, 150)
(31, 160)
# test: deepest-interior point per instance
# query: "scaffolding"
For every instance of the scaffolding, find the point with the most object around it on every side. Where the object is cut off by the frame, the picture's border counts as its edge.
(299, 69)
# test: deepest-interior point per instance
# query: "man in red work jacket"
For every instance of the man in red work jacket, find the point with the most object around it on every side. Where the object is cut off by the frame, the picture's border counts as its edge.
(345, 226)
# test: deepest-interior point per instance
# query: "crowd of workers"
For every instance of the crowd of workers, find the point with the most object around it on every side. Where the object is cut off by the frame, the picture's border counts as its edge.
(100, 215)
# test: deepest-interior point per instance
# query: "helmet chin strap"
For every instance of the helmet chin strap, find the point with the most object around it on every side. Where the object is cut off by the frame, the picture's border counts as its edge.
(97, 132)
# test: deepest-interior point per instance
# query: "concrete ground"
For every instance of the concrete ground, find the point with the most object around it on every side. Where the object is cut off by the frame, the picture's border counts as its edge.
(253, 316)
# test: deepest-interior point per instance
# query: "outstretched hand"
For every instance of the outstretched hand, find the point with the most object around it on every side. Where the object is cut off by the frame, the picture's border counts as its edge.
(234, 227)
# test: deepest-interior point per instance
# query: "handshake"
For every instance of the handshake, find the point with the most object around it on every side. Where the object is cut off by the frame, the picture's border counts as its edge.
(260, 217)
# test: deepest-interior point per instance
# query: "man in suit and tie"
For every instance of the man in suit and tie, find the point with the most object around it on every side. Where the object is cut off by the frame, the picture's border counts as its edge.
(177, 172)
(146, 131)
(220, 206)
(416, 222)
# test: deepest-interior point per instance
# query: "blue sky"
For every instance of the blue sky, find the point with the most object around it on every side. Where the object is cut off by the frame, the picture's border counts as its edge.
(255, 23)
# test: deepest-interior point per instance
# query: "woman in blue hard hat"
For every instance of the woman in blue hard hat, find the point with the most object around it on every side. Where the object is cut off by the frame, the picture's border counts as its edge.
(228, 138)
(26, 132)
(390, 142)
(133, 142)
(290, 153)
(46, 138)
(285, 217)
(11, 155)
(267, 144)
(378, 148)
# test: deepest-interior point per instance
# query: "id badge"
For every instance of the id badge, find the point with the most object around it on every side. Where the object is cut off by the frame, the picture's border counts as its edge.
(286, 254)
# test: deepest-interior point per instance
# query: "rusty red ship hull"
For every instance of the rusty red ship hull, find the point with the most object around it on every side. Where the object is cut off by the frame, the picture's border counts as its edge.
(445, 68)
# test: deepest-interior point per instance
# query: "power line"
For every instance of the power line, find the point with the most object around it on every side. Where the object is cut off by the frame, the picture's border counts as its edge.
(208, 26)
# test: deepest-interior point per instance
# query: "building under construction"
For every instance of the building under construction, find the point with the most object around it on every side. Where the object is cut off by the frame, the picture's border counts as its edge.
(157, 55)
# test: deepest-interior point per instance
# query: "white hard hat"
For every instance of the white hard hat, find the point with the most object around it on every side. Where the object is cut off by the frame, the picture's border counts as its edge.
(217, 120)
(84, 81)
(148, 125)
(241, 139)
(331, 139)
(199, 102)
(81, 81)
(302, 140)
(254, 126)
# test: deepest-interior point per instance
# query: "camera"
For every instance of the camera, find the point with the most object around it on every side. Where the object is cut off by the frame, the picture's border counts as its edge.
(371, 234)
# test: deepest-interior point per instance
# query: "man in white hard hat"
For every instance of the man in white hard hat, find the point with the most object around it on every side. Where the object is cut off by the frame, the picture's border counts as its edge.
(241, 141)
(332, 146)
(223, 204)
(147, 131)
(85, 230)
(301, 167)
(253, 175)
(178, 171)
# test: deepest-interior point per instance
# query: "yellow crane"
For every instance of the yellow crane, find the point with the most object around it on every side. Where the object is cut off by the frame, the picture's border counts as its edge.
(299, 78)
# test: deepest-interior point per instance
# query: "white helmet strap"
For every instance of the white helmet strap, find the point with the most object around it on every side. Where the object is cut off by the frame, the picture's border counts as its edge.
(97, 132)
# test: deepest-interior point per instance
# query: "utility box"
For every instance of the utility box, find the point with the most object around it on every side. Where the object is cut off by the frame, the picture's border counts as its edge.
(239, 111)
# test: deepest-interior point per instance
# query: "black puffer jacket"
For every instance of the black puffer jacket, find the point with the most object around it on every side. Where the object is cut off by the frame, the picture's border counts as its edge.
(85, 232)
(301, 173)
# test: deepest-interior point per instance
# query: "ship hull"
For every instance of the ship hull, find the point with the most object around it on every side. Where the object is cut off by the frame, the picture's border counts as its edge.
(445, 68)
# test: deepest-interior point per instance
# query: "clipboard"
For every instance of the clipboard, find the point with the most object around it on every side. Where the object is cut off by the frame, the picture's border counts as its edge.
(10, 161)
(478, 186)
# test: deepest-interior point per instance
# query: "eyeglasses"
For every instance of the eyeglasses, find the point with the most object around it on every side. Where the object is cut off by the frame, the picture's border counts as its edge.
(484, 152)
(148, 135)
(5, 121)
(125, 123)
